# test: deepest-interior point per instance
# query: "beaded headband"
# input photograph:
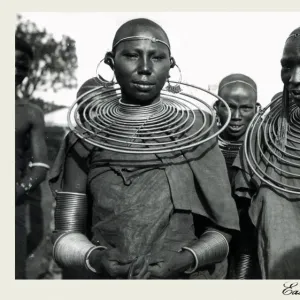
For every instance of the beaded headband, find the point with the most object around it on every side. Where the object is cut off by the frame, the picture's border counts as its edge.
(137, 37)
(235, 81)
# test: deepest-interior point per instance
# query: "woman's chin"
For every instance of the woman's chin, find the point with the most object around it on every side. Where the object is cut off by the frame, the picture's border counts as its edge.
(142, 99)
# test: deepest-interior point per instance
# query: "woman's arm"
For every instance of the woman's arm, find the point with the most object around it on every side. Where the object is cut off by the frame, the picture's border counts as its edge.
(71, 246)
(37, 171)
(212, 247)
(70, 243)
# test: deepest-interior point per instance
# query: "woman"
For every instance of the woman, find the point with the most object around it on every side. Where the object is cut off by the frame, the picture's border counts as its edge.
(240, 93)
(151, 215)
(269, 172)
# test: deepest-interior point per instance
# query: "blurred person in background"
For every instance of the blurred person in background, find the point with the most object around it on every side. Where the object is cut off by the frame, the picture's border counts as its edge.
(30, 170)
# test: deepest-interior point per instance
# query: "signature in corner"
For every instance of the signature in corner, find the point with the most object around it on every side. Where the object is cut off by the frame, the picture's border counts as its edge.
(289, 289)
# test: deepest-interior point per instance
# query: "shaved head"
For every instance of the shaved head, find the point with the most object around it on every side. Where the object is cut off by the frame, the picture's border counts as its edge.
(237, 78)
(293, 34)
(141, 27)
(290, 62)
(297, 30)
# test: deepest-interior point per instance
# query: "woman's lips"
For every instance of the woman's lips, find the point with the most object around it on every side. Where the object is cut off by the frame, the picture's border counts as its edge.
(235, 128)
(143, 86)
(295, 94)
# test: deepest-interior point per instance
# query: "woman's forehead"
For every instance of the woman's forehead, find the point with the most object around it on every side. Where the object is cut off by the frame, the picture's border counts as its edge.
(292, 48)
(143, 31)
(237, 89)
(142, 44)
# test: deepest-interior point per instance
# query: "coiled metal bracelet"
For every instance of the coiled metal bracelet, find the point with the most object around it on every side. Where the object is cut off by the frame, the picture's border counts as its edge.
(70, 212)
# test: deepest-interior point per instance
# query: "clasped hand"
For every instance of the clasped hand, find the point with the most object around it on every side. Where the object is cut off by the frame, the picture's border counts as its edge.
(167, 264)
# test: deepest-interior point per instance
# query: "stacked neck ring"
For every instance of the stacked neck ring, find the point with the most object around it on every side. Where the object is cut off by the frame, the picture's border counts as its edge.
(263, 144)
(102, 119)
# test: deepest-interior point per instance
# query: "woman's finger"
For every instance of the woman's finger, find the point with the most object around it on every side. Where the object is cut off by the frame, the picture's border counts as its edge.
(131, 271)
(143, 271)
(136, 266)
(155, 270)
(120, 270)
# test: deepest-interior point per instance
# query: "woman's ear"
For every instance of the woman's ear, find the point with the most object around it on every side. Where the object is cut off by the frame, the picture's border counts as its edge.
(172, 62)
(109, 60)
(216, 104)
(258, 107)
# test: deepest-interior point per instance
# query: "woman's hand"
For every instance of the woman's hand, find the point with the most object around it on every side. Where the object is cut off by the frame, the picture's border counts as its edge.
(108, 262)
(139, 269)
(172, 264)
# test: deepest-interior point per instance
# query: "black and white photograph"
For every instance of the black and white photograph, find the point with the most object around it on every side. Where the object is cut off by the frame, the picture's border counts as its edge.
(157, 145)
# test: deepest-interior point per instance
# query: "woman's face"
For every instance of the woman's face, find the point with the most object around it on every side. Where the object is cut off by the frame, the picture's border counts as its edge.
(141, 68)
(290, 72)
(242, 102)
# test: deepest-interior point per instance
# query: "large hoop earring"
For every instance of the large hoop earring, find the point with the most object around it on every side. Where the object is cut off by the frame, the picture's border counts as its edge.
(104, 82)
(175, 89)
(218, 121)
(257, 107)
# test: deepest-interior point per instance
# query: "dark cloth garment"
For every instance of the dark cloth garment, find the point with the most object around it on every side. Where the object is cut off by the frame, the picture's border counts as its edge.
(242, 257)
(143, 204)
(275, 214)
(230, 151)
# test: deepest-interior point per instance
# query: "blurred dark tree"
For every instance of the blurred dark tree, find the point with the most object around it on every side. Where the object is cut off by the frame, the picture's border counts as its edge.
(55, 61)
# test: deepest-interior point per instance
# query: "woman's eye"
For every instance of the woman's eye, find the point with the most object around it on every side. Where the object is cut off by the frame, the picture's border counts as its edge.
(158, 57)
(286, 67)
(131, 55)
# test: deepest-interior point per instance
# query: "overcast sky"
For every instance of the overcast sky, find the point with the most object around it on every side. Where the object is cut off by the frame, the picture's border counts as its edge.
(206, 45)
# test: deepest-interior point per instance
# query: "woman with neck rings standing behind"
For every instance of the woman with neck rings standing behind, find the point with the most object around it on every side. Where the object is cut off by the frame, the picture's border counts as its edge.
(240, 93)
(151, 215)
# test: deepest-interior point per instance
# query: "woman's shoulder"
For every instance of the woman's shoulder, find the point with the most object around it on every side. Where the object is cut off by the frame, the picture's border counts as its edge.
(77, 145)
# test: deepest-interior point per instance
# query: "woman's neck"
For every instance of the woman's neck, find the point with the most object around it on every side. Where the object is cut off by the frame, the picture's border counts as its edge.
(130, 101)
(229, 138)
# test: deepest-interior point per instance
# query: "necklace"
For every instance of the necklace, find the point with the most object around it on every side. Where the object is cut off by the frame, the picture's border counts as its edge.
(229, 149)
